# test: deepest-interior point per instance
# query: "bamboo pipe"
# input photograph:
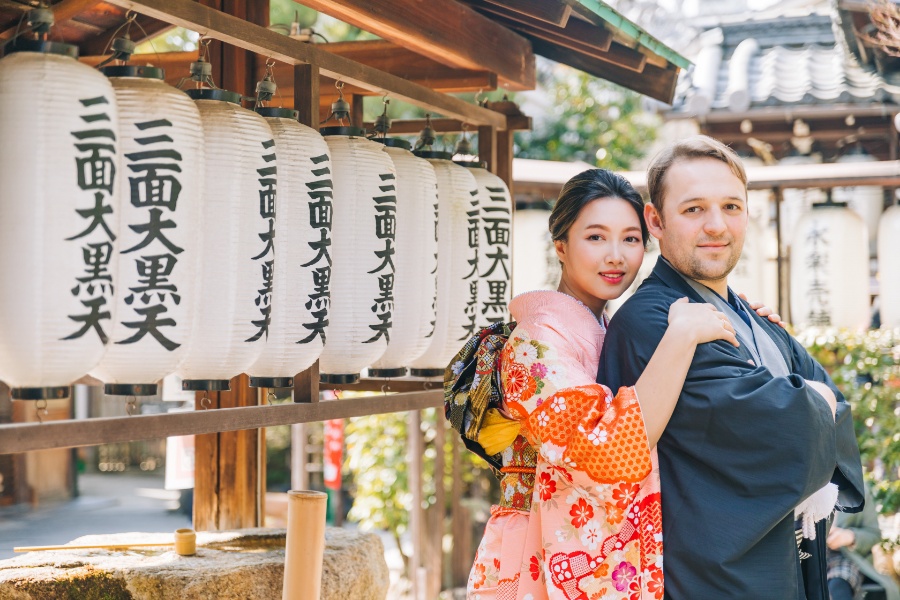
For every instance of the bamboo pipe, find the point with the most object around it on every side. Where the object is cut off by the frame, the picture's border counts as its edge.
(92, 547)
(184, 544)
(304, 545)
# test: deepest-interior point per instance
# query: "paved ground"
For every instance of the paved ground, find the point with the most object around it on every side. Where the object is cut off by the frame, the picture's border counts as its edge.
(110, 503)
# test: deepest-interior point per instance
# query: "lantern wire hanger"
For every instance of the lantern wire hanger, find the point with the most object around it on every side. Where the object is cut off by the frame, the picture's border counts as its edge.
(340, 108)
(39, 21)
(205, 402)
(382, 121)
(427, 136)
(201, 69)
(266, 88)
(123, 47)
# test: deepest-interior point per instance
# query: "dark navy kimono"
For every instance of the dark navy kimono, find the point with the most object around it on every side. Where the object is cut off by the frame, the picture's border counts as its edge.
(743, 448)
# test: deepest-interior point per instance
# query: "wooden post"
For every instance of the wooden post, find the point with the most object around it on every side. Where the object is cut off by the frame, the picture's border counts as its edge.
(487, 146)
(460, 559)
(227, 478)
(417, 513)
(356, 110)
(436, 568)
(306, 94)
(505, 159)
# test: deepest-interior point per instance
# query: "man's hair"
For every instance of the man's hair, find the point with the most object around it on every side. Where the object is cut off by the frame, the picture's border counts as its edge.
(694, 147)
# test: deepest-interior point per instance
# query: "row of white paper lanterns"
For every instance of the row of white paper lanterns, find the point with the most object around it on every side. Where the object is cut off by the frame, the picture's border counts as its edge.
(130, 209)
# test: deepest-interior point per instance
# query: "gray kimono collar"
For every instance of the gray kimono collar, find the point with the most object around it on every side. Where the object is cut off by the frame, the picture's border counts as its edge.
(753, 337)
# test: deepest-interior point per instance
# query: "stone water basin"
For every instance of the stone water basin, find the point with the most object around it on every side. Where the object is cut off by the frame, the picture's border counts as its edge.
(229, 565)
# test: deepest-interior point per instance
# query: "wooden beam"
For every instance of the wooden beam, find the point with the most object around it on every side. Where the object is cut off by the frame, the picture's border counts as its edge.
(62, 11)
(414, 126)
(443, 30)
(148, 28)
(237, 32)
(653, 81)
(575, 30)
(615, 54)
(554, 12)
(24, 437)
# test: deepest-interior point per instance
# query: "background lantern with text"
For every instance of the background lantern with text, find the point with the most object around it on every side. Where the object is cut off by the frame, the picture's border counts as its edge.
(363, 255)
(415, 281)
(865, 200)
(456, 306)
(161, 195)
(494, 247)
(302, 287)
(237, 255)
(830, 269)
(59, 185)
(535, 265)
(796, 202)
(889, 266)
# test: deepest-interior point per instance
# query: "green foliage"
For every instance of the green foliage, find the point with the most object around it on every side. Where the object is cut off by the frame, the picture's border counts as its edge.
(866, 368)
(377, 457)
(587, 119)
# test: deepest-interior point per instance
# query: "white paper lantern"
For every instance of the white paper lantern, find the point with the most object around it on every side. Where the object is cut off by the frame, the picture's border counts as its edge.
(830, 269)
(889, 267)
(494, 247)
(535, 265)
(302, 288)
(237, 253)
(796, 202)
(415, 281)
(747, 276)
(363, 254)
(59, 171)
(866, 200)
(457, 279)
(161, 187)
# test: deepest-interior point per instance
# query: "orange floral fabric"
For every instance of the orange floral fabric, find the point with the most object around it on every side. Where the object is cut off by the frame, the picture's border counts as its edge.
(594, 528)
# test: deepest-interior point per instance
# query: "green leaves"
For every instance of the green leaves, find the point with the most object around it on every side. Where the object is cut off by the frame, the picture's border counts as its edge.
(866, 368)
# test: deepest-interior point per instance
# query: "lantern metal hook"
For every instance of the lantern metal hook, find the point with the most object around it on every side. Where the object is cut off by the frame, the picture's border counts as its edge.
(40, 407)
(385, 387)
(337, 394)
(426, 385)
(271, 397)
(205, 402)
(131, 405)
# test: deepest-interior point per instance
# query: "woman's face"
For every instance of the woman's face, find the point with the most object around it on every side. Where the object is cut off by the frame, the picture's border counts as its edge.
(603, 250)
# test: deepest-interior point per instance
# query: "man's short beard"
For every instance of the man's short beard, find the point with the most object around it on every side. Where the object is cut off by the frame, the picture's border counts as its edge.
(697, 272)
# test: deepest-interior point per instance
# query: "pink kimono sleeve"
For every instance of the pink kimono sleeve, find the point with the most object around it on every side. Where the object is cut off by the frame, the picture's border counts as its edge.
(574, 422)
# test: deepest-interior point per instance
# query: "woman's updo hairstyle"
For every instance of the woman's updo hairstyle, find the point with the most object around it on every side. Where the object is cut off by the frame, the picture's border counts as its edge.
(586, 187)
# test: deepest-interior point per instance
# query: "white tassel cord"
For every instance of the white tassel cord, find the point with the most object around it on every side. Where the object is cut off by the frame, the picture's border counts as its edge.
(815, 508)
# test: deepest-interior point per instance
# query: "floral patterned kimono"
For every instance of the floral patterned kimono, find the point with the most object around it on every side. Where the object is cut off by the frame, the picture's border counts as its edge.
(580, 515)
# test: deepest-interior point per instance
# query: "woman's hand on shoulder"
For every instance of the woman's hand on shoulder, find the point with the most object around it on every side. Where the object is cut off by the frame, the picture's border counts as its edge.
(764, 311)
(700, 322)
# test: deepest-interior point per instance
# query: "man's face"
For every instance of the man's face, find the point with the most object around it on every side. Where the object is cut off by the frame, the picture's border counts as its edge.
(703, 222)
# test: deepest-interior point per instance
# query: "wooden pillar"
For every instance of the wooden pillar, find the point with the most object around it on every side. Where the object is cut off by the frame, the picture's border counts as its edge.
(436, 527)
(415, 446)
(505, 159)
(227, 479)
(487, 147)
(356, 110)
(306, 94)
(229, 474)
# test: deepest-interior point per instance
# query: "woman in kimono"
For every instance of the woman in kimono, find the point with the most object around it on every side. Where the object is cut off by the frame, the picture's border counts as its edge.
(579, 516)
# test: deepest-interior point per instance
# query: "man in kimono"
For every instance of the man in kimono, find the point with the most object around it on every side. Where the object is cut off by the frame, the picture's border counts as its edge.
(758, 430)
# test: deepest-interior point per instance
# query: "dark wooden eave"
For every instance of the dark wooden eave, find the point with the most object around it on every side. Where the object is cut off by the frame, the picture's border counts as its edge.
(445, 31)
